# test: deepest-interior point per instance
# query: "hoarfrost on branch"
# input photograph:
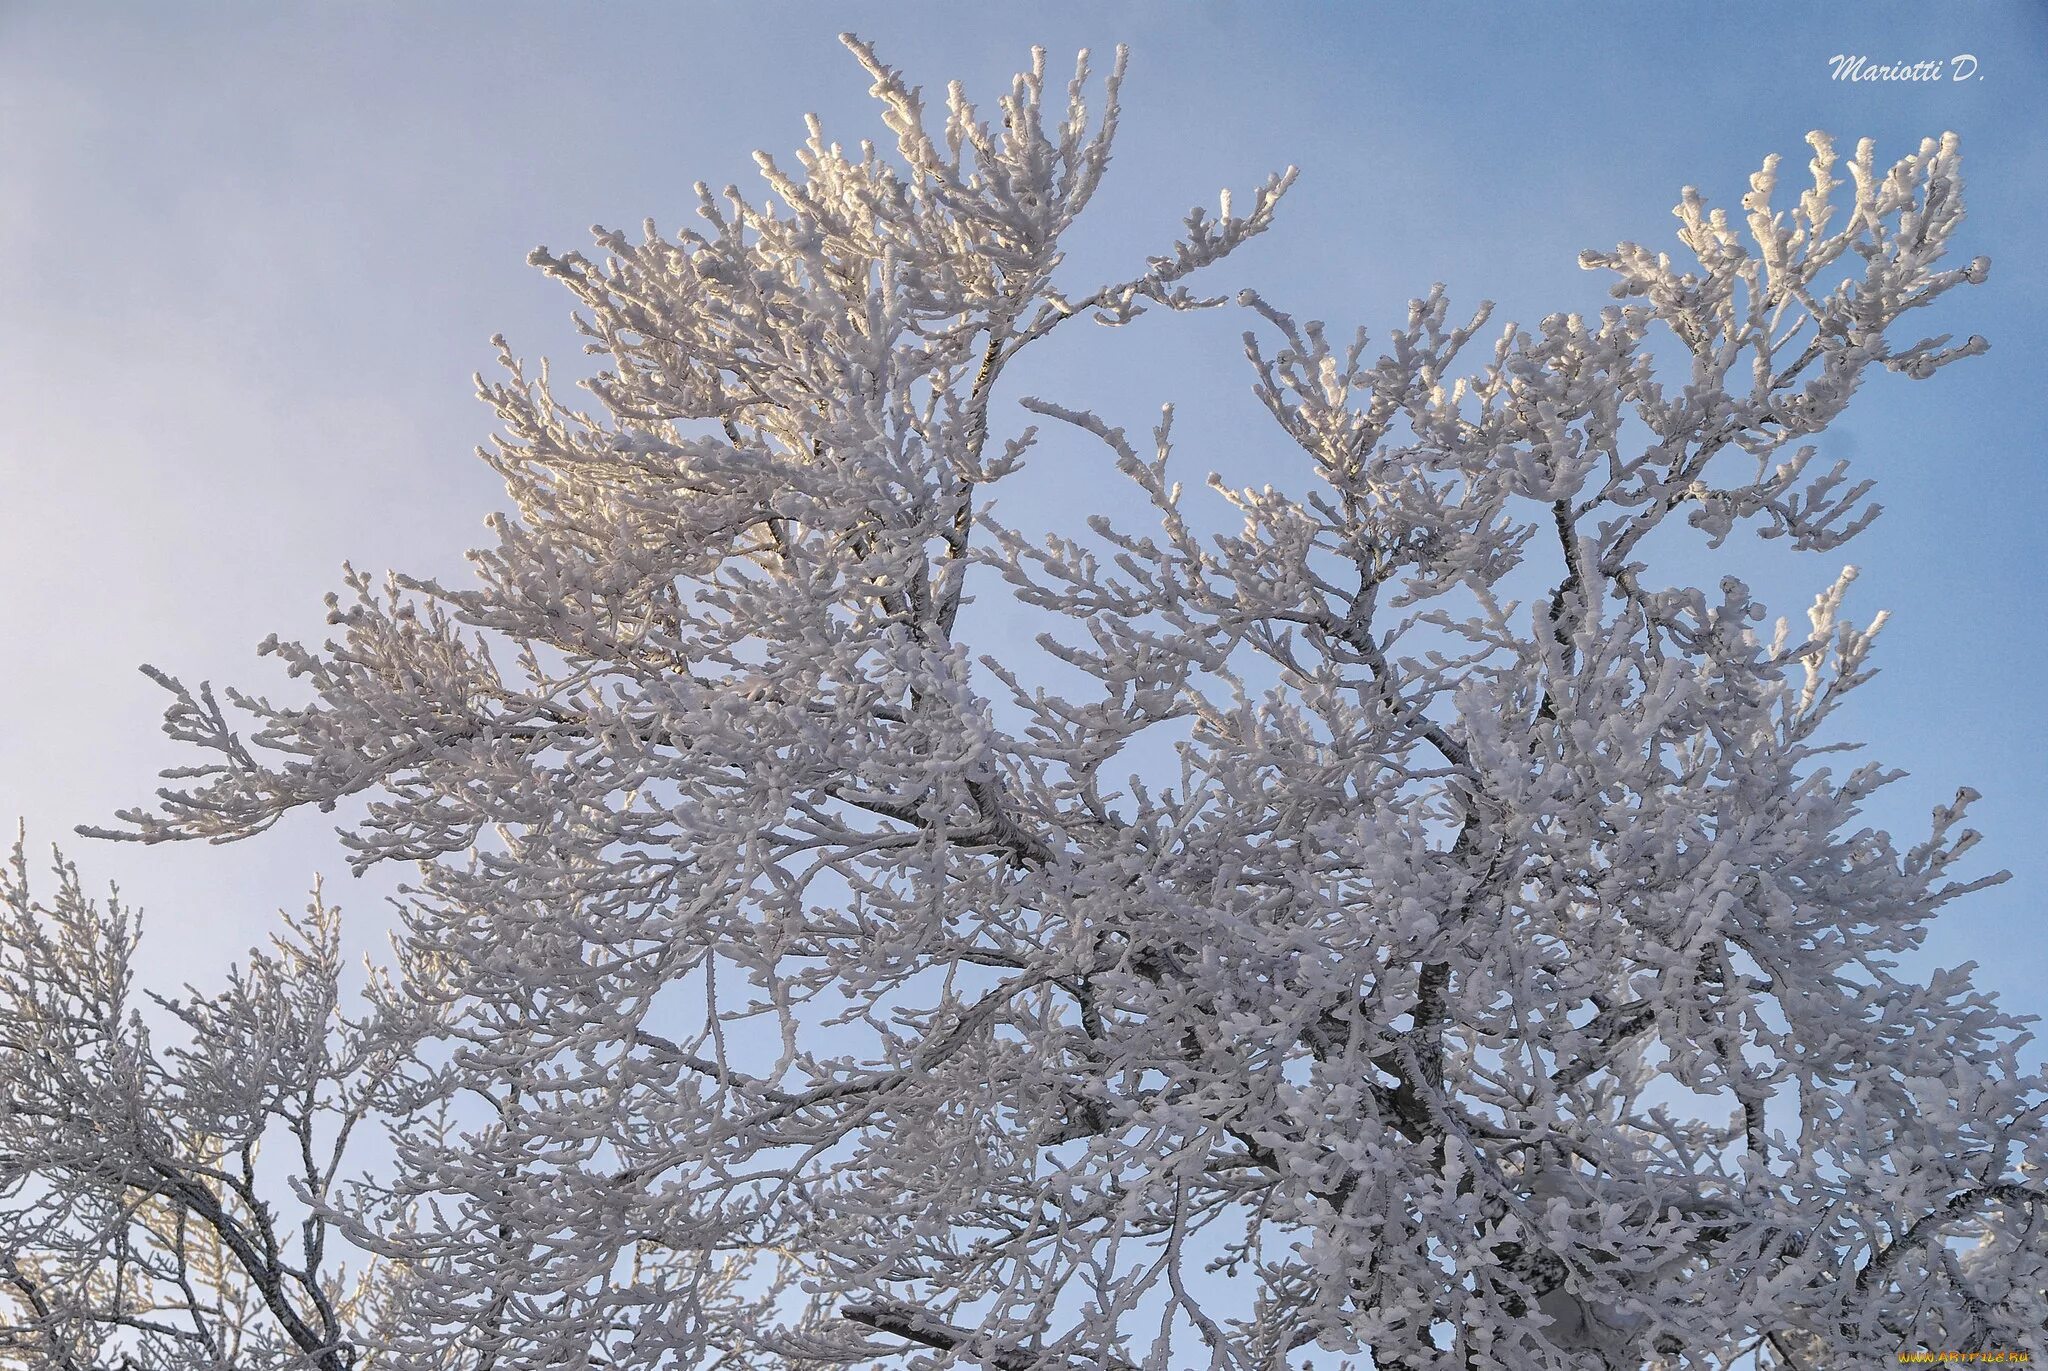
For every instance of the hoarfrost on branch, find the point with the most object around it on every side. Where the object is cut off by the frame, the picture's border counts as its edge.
(1404, 927)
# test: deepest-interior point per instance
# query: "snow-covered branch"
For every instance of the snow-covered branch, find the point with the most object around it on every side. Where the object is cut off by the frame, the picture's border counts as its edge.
(1394, 890)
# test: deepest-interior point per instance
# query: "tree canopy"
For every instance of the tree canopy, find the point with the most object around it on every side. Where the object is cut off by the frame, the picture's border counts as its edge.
(1410, 925)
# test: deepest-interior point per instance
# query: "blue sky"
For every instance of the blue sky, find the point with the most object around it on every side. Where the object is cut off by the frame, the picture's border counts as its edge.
(249, 257)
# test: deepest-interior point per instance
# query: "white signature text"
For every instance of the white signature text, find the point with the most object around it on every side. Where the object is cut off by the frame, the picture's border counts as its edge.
(1855, 67)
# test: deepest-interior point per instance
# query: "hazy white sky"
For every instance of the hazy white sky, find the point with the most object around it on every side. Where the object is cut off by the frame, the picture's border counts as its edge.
(250, 255)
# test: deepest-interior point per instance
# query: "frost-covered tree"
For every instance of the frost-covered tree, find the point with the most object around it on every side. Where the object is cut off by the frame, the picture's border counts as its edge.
(1405, 928)
(155, 1179)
